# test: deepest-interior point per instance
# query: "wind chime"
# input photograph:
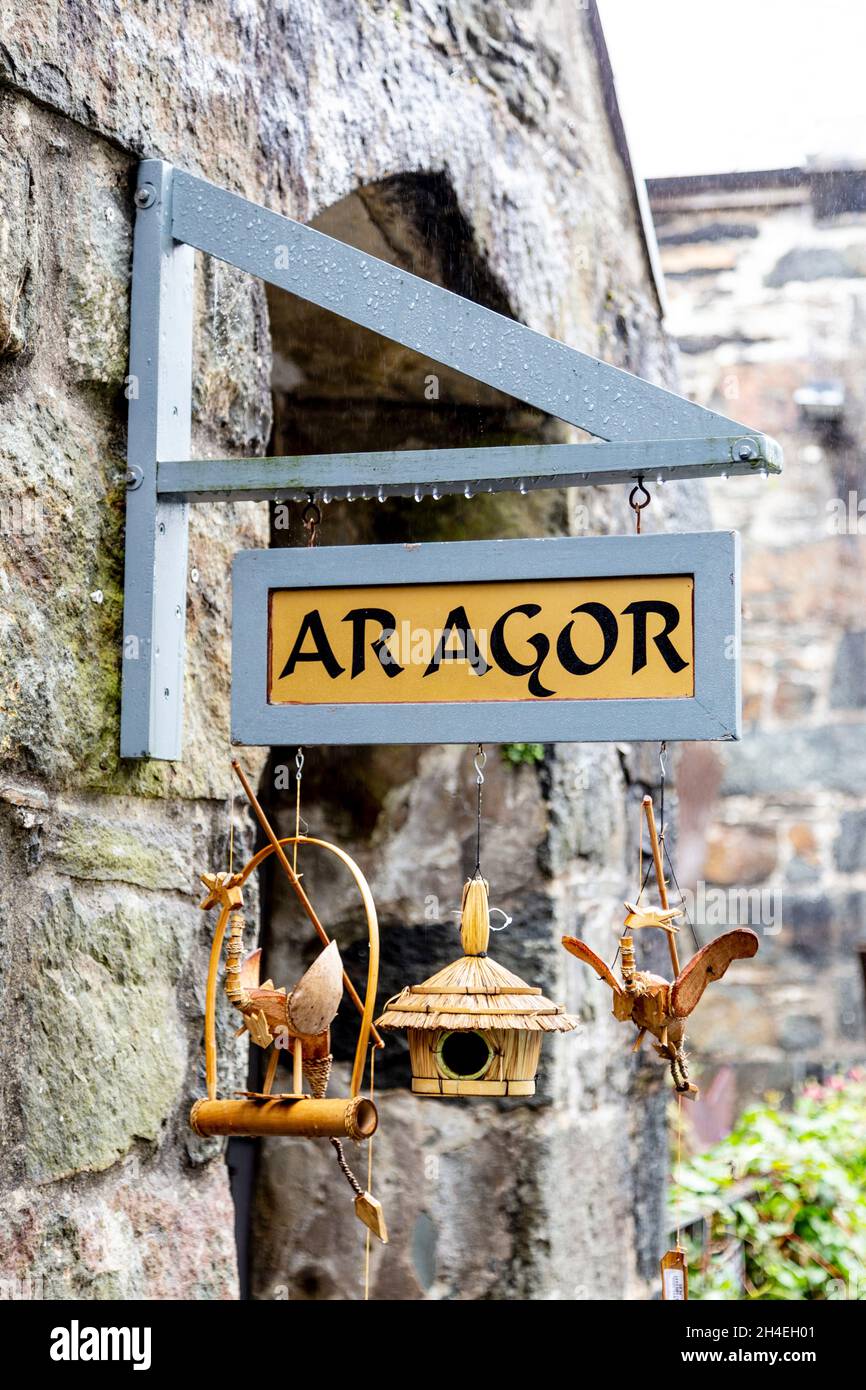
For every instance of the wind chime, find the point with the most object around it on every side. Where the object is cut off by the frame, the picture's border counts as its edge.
(295, 1022)
(659, 1006)
(474, 1028)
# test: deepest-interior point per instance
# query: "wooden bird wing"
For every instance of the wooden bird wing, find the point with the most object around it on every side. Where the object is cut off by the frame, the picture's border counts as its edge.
(577, 948)
(313, 1003)
(710, 963)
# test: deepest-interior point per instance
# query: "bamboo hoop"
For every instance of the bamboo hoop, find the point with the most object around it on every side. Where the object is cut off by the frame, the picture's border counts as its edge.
(367, 1008)
(276, 847)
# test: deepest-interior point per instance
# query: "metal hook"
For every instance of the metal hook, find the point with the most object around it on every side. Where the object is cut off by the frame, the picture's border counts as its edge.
(299, 764)
(479, 762)
(311, 517)
(637, 507)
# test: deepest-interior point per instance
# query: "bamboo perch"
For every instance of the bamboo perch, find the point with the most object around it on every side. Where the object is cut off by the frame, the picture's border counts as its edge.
(660, 877)
(311, 1119)
(296, 884)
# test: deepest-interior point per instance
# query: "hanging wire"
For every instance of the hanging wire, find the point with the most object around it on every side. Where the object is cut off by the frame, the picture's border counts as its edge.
(369, 1178)
(299, 770)
(681, 897)
(642, 877)
(663, 748)
(479, 762)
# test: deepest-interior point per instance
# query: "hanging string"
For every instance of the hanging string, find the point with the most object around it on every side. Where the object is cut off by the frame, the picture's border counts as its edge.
(679, 1170)
(369, 1179)
(299, 768)
(231, 827)
(666, 856)
(640, 878)
(479, 762)
(681, 897)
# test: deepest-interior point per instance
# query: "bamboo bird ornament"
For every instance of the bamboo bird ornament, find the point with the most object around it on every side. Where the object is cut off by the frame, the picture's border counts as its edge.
(296, 1021)
(653, 1004)
(300, 1020)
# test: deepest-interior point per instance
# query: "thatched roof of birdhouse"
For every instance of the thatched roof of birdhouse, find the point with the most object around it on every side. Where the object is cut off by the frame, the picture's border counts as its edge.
(475, 992)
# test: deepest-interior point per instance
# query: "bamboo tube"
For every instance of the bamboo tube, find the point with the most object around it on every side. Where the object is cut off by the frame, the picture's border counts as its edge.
(355, 1118)
(660, 877)
(296, 884)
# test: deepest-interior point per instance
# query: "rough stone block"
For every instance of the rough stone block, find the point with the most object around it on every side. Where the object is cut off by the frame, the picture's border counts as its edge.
(801, 1033)
(850, 847)
(809, 923)
(848, 690)
(105, 1053)
(777, 761)
(740, 854)
(18, 245)
(144, 852)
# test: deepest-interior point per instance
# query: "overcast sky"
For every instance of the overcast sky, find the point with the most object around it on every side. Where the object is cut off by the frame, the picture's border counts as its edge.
(707, 86)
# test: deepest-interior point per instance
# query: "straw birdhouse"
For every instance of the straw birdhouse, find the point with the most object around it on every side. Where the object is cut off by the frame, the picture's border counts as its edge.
(474, 1028)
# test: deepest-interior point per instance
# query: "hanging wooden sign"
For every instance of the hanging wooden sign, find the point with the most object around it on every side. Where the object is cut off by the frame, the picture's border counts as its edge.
(597, 639)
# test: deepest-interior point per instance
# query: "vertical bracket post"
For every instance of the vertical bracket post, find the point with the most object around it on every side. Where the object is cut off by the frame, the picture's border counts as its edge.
(160, 407)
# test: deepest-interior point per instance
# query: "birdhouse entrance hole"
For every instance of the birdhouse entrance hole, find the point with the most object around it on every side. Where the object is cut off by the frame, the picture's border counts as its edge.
(463, 1056)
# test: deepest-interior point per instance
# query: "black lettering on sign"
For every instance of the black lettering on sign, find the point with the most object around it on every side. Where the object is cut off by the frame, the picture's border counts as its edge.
(468, 650)
(312, 624)
(639, 612)
(359, 617)
(609, 631)
(508, 662)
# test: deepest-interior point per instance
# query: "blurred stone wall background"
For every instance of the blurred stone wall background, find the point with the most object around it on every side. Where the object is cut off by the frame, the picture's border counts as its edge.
(477, 142)
(766, 278)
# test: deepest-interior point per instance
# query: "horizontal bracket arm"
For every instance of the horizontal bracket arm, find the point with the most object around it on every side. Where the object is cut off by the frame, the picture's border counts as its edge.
(408, 472)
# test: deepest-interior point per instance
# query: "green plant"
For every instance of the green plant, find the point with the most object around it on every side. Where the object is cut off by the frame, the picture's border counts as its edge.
(791, 1187)
(517, 753)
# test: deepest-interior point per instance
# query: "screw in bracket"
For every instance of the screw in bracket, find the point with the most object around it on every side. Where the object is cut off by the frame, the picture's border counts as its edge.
(145, 196)
(744, 450)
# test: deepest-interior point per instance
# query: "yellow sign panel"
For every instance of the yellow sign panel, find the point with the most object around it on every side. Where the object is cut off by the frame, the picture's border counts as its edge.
(624, 638)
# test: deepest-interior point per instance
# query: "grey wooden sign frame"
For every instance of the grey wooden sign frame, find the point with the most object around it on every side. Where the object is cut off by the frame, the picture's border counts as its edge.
(713, 712)
(639, 429)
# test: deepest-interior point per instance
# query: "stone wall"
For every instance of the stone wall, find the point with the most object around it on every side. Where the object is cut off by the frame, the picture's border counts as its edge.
(766, 277)
(104, 951)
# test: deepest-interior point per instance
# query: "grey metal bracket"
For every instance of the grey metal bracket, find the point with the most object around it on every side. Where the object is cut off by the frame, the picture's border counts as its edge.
(644, 431)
